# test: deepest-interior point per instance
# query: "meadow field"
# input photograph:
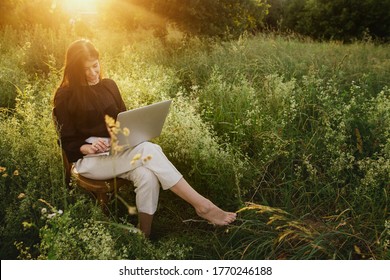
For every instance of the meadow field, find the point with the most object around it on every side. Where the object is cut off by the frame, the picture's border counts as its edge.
(292, 134)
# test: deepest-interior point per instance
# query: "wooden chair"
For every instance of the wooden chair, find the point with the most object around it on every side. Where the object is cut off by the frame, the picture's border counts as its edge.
(100, 189)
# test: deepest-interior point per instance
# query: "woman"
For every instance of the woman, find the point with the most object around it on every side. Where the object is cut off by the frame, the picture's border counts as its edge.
(81, 103)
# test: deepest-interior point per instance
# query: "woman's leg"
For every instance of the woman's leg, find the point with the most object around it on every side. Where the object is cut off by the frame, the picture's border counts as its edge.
(147, 189)
(145, 174)
(203, 207)
(170, 178)
(145, 223)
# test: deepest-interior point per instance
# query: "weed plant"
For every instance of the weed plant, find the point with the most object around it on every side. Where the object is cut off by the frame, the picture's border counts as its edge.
(297, 129)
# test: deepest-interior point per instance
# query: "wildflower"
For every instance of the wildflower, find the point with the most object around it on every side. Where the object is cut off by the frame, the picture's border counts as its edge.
(109, 121)
(43, 211)
(137, 157)
(2, 169)
(21, 195)
(357, 250)
(113, 125)
(5, 175)
(16, 173)
(132, 210)
(52, 215)
(114, 130)
(60, 212)
(117, 148)
(26, 225)
(147, 158)
(126, 131)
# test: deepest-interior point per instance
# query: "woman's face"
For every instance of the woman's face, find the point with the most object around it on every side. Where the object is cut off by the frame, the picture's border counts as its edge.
(92, 71)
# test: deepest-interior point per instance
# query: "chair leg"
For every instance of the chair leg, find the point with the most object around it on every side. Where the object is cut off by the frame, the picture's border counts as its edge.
(102, 199)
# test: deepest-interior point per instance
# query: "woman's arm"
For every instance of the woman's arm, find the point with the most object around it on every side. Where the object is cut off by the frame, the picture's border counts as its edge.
(71, 141)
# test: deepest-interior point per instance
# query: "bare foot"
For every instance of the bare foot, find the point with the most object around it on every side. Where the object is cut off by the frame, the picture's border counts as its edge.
(215, 215)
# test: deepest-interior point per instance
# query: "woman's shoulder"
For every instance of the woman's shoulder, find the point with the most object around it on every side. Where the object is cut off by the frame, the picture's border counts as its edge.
(108, 82)
(63, 90)
(62, 93)
(111, 85)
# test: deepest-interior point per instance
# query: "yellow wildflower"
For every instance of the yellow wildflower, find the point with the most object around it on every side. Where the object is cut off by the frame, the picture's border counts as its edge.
(137, 157)
(21, 195)
(116, 148)
(113, 126)
(147, 158)
(126, 131)
(109, 121)
(114, 130)
(27, 225)
(2, 169)
(132, 210)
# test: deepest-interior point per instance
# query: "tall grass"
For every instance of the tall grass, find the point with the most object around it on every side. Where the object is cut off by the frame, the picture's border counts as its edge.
(299, 129)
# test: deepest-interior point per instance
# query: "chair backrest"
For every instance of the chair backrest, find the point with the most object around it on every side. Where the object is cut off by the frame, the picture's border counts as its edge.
(65, 161)
(67, 167)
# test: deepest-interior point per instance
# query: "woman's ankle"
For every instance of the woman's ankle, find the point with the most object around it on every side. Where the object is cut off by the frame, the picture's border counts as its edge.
(145, 223)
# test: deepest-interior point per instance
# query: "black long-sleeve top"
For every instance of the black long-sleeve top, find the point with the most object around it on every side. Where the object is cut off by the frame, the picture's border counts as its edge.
(88, 120)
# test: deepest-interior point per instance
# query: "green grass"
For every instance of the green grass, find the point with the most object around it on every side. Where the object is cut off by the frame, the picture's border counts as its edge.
(297, 128)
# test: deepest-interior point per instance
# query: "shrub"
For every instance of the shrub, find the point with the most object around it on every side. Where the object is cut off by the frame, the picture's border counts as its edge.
(31, 156)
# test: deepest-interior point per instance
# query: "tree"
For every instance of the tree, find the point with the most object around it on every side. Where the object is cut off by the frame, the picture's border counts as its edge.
(25, 13)
(344, 20)
(209, 17)
(274, 18)
(338, 19)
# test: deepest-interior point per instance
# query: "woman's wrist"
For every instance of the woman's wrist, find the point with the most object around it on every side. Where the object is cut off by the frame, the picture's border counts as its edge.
(86, 149)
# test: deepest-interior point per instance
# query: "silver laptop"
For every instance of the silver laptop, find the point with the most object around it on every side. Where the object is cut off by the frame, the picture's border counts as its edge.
(144, 124)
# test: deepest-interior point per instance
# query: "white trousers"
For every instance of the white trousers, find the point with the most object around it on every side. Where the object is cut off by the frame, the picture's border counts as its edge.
(147, 173)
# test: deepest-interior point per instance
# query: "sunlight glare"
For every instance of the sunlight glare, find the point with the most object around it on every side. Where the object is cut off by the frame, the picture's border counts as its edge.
(79, 7)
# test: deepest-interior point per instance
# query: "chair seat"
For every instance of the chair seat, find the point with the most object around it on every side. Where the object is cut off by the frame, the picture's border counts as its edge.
(97, 186)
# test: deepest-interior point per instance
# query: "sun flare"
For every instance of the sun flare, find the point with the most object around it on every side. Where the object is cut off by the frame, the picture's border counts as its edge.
(79, 7)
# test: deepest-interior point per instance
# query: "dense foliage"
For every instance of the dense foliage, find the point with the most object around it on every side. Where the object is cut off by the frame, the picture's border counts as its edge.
(206, 18)
(212, 18)
(343, 20)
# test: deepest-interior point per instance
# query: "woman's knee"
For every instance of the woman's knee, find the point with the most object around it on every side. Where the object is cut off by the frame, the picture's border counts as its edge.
(149, 147)
(147, 189)
(142, 176)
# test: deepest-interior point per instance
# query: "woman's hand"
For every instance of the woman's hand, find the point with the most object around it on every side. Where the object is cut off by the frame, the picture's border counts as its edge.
(98, 146)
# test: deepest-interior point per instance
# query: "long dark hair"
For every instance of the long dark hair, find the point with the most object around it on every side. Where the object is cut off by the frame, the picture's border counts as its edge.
(77, 54)
(75, 78)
